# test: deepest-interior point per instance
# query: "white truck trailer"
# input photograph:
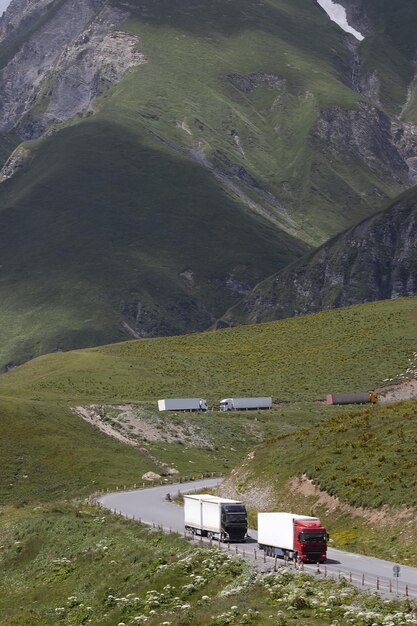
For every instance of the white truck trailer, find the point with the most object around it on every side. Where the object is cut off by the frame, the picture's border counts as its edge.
(214, 517)
(244, 404)
(297, 537)
(183, 404)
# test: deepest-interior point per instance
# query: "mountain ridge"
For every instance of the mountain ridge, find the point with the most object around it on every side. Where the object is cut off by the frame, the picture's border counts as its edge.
(242, 128)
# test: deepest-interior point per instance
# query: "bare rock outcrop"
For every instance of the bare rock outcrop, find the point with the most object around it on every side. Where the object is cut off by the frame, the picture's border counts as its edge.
(66, 63)
(370, 135)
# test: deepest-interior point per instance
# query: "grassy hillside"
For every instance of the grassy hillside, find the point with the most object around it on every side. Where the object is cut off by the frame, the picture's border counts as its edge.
(82, 257)
(298, 359)
(116, 225)
(77, 565)
(48, 451)
(356, 471)
(48, 454)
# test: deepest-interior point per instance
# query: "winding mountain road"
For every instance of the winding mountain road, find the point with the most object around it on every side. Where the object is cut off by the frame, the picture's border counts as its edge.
(150, 506)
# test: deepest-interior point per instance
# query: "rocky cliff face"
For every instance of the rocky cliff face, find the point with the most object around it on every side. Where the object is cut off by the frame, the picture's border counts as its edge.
(64, 64)
(375, 260)
(369, 135)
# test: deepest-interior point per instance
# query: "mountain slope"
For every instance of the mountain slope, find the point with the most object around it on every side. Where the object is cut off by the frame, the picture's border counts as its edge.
(375, 260)
(94, 246)
(173, 154)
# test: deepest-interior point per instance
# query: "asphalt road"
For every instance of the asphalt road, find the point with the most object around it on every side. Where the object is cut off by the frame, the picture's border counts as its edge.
(150, 506)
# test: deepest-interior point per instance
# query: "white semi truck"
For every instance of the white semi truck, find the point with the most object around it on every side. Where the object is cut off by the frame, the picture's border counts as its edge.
(297, 537)
(183, 404)
(214, 517)
(244, 404)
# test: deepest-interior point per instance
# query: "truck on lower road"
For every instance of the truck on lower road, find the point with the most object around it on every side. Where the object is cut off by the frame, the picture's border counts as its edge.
(364, 397)
(215, 518)
(183, 404)
(298, 537)
(244, 404)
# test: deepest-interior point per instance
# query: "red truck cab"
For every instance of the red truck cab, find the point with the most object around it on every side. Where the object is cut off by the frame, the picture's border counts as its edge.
(310, 541)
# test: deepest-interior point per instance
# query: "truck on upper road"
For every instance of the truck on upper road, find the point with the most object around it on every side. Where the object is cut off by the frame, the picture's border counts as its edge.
(215, 518)
(244, 404)
(298, 537)
(364, 397)
(183, 404)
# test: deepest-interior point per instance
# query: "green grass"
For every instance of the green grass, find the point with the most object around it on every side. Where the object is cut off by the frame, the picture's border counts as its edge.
(49, 453)
(69, 564)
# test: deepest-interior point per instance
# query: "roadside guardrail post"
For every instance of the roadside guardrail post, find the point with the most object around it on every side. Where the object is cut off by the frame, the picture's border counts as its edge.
(363, 579)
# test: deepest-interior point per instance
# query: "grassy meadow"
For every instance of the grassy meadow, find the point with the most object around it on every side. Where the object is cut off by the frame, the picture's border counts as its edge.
(75, 564)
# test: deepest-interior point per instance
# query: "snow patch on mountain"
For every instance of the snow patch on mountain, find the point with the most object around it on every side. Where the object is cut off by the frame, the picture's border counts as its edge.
(337, 14)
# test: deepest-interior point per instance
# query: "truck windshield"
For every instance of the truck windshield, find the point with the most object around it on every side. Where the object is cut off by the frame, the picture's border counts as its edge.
(235, 508)
(306, 536)
(235, 512)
